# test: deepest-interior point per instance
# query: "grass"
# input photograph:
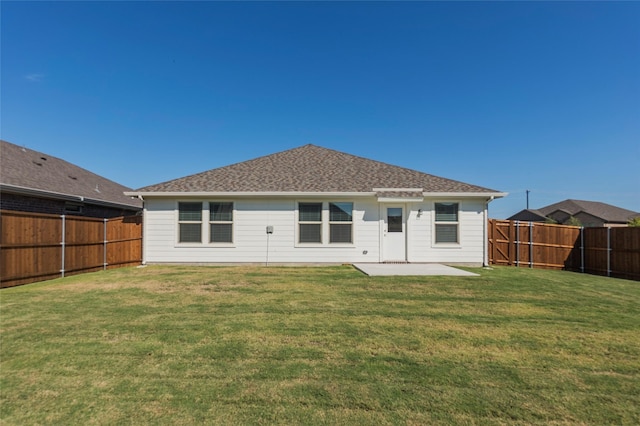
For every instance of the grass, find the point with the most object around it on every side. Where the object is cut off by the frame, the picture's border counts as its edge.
(255, 345)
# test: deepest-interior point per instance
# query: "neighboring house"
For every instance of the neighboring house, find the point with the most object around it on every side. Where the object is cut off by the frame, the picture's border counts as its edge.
(314, 205)
(34, 182)
(588, 213)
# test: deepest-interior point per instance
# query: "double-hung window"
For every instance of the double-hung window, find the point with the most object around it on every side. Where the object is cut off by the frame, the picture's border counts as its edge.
(446, 223)
(190, 222)
(340, 222)
(221, 222)
(310, 222)
(322, 222)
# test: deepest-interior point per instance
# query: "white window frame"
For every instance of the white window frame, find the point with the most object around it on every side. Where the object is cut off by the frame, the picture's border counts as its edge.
(310, 222)
(222, 222)
(340, 222)
(325, 223)
(437, 222)
(180, 222)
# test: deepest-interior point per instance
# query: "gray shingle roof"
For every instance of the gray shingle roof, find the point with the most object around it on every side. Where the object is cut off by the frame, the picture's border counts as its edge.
(604, 211)
(530, 215)
(311, 168)
(24, 168)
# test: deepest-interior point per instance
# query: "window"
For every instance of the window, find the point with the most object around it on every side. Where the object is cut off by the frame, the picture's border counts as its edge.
(221, 222)
(446, 222)
(394, 219)
(340, 222)
(310, 222)
(73, 208)
(320, 223)
(190, 222)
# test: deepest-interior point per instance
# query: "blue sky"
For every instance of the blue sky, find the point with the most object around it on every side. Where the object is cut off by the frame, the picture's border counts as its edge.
(507, 95)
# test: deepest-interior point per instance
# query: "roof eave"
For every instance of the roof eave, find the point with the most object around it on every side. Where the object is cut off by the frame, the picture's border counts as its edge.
(492, 195)
(21, 190)
(180, 194)
(15, 189)
(196, 194)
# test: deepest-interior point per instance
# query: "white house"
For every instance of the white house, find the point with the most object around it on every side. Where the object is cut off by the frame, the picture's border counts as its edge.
(314, 205)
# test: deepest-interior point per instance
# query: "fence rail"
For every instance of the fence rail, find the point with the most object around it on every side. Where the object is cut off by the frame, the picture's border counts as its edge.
(36, 247)
(612, 252)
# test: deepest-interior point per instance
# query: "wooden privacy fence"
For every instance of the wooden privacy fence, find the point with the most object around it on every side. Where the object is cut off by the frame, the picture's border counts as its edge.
(612, 252)
(36, 247)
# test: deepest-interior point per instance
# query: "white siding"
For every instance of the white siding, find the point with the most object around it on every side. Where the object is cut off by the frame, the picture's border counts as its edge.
(250, 238)
(253, 216)
(421, 240)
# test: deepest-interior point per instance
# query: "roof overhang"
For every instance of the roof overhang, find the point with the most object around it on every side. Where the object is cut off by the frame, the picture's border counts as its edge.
(21, 190)
(383, 194)
(270, 194)
(489, 195)
(399, 195)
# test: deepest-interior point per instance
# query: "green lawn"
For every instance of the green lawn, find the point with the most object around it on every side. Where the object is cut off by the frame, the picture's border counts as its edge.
(280, 345)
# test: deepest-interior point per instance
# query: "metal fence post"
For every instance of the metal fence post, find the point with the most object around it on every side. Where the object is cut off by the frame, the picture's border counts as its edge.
(582, 249)
(608, 251)
(62, 243)
(517, 243)
(104, 252)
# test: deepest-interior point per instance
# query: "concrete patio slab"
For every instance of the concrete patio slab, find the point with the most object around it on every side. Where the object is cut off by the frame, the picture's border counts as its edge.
(390, 269)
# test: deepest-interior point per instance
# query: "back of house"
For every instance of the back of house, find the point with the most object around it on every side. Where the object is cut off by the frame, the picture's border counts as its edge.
(314, 205)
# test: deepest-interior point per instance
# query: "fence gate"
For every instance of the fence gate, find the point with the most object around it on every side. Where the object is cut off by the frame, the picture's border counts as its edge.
(501, 238)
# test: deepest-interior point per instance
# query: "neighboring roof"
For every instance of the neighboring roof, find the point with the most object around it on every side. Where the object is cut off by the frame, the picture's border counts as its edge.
(31, 172)
(606, 212)
(312, 169)
(529, 215)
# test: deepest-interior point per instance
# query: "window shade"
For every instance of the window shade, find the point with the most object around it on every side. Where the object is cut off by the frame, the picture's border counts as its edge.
(310, 212)
(340, 233)
(446, 233)
(310, 233)
(221, 233)
(190, 233)
(190, 212)
(446, 212)
(340, 212)
(222, 212)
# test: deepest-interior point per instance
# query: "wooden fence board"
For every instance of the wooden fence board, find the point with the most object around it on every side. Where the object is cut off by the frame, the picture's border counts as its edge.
(625, 252)
(596, 251)
(33, 247)
(124, 236)
(602, 251)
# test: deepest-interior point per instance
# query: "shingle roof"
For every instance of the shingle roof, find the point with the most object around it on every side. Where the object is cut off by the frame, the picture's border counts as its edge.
(530, 215)
(604, 211)
(311, 168)
(24, 168)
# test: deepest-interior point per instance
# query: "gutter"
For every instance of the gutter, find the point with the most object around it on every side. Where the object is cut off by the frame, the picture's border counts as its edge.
(21, 190)
(144, 230)
(14, 189)
(174, 194)
(485, 235)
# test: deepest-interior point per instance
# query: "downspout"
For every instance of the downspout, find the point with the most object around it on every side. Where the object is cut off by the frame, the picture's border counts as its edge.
(485, 259)
(144, 230)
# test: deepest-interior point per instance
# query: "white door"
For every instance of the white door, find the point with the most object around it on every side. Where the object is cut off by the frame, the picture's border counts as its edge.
(394, 234)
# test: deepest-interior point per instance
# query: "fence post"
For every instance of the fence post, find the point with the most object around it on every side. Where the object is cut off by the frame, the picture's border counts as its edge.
(104, 251)
(62, 243)
(530, 244)
(582, 249)
(608, 251)
(517, 223)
